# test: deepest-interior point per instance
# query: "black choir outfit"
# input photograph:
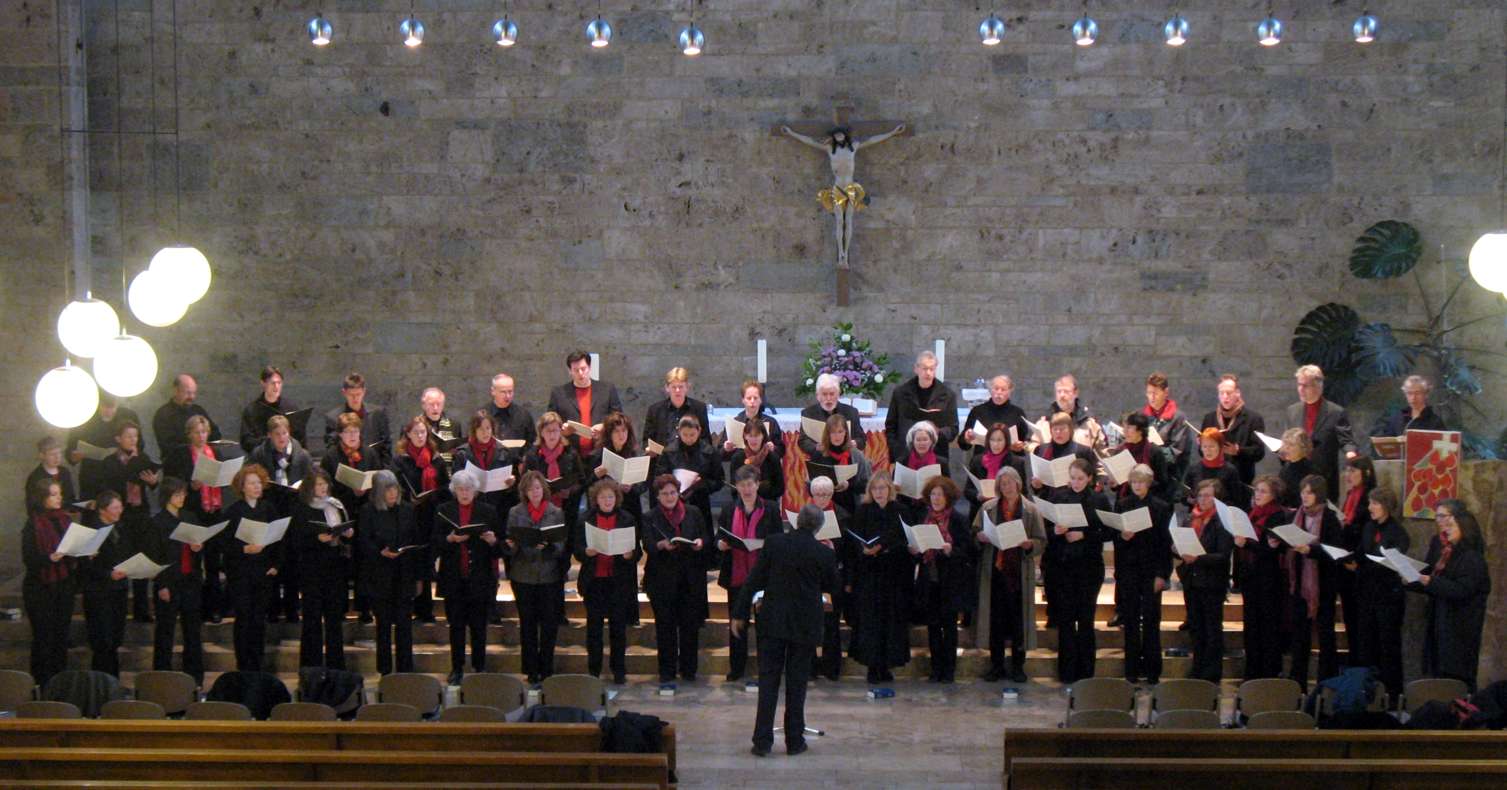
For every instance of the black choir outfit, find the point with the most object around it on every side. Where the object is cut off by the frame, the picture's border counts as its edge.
(47, 591)
(1139, 562)
(170, 425)
(1399, 422)
(1310, 596)
(663, 418)
(1083, 420)
(990, 414)
(1378, 642)
(391, 580)
(1007, 591)
(911, 403)
(1206, 582)
(376, 431)
(566, 474)
(1262, 592)
(850, 496)
(1240, 428)
(772, 431)
(609, 586)
(322, 568)
(564, 400)
(538, 576)
(362, 459)
(183, 581)
(468, 578)
(105, 598)
(424, 478)
(287, 467)
(1234, 492)
(205, 507)
(100, 432)
(630, 498)
(701, 459)
(254, 421)
(1355, 517)
(829, 665)
(1073, 573)
(1329, 426)
(881, 590)
(945, 588)
(675, 579)
(251, 582)
(985, 466)
(1291, 474)
(735, 564)
(122, 473)
(816, 412)
(63, 477)
(1178, 439)
(487, 457)
(1459, 584)
(771, 471)
(511, 423)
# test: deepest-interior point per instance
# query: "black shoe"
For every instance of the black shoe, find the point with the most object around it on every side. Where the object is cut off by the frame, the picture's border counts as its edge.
(886, 676)
(1114, 622)
(874, 677)
(1153, 681)
(834, 675)
(1018, 675)
(1184, 626)
(619, 679)
(1133, 680)
(796, 748)
(534, 680)
(454, 679)
(759, 751)
(666, 680)
(365, 618)
(734, 677)
(689, 677)
(994, 675)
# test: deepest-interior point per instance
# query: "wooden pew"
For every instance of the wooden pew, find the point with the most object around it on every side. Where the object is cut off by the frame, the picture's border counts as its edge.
(1307, 745)
(307, 736)
(359, 767)
(1071, 773)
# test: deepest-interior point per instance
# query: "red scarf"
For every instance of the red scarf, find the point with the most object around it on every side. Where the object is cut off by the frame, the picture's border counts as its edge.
(1201, 519)
(603, 567)
(483, 452)
(840, 458)
(674, 515)
(1260, 514)
(49, 527)
(210, 498)
(536, 514)
(941, 519)
(1308, 583)
(992, 462)
(352, 455)
(552, 469)
(744, 525)
(1445, 551)
(1352, 505)
(1310, 416)
(1140, 451)
(918, 461)
(1214, 464)
(463, 517)
(422, 458)
(1009, 558)
(1167, 412)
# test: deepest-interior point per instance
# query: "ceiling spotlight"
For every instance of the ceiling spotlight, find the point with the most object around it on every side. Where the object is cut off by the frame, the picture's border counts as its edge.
(1365, 28)
(1085, 30)
(991, 30)
(412, 30)
(598, 32)
(505, 32)
(320, 30)
(691, 40)
(1269, 30)
(1176, 30)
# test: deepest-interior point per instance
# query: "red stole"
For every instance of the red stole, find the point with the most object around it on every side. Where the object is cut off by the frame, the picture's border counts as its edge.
(603, 567)
(1352, 505)
(210, 498)
(423, 457)
(941, 519)
(483, 453)
(744, 525)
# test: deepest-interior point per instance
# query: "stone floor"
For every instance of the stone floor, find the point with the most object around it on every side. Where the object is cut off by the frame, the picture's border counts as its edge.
(925, 736)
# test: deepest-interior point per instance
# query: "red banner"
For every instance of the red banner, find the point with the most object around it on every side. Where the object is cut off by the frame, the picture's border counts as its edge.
(1431, 465)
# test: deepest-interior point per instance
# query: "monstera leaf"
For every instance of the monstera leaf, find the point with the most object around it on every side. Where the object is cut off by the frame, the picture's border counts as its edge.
(1387, 249)
(1344, 384)
(1458, 376)
(1378, 353)
(1325, 337)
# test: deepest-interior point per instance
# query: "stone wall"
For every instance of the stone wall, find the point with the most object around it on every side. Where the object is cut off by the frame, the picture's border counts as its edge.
(434, 216)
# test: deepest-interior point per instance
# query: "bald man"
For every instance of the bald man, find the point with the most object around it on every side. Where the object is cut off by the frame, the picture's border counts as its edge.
(171, 419)
(998, 409)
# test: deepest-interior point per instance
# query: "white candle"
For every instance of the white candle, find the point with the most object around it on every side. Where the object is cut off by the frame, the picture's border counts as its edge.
(596, 367)
(941, 352)
(763, 360)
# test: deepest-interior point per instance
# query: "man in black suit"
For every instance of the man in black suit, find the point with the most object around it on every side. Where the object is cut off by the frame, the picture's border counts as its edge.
(599, 398)
(793, 571)
(1325, 422)
(376, 432)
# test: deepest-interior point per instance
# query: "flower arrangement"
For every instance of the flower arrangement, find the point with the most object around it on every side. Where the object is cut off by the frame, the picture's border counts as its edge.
(863, 372)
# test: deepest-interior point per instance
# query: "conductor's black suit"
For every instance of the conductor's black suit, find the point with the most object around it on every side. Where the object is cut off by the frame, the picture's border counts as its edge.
(793, 570)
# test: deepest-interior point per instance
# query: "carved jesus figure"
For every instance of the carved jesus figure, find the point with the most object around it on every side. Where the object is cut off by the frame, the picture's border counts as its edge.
(846, 196)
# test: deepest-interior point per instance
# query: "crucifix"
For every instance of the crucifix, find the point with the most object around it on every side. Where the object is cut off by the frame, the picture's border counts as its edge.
(841, 141)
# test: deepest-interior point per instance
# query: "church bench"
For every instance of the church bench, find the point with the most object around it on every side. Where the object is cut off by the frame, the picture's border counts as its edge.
(363, 767)
(307, 736)
(1064, 773)
(81, 784)
(1252, 744)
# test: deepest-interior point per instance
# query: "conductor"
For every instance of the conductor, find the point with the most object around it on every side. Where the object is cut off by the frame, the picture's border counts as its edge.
(793, 571)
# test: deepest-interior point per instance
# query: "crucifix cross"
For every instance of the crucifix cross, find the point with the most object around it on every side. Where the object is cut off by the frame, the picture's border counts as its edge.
(841, 141)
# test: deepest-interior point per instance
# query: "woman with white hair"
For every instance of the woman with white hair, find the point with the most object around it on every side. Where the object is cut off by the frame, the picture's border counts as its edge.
(1417, 415)
(465, 541)
(386, 532)
(920, 452)
(830, 663)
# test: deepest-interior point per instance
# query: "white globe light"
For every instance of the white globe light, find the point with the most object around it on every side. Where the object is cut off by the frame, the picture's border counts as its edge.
(153, 299)
(186, 269)
(126, 366)
(67, 397)
(1488, 261)
(85, 325)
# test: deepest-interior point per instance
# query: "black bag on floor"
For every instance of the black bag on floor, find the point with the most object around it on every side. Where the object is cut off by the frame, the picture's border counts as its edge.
(260, 692)
(344, 691)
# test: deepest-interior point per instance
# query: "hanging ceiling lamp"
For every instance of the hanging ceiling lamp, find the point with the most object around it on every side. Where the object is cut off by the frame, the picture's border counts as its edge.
(67, 396)
(598, 32)
(411, 29)
(1365, 27)
(1085, 30)
(86, 325)
(155, 300)
(691, 40)
(320, 30)
(1269, 30)
(185, 269)
(505, 32)
(126, 366)
(1176, 30)
(991, 30)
